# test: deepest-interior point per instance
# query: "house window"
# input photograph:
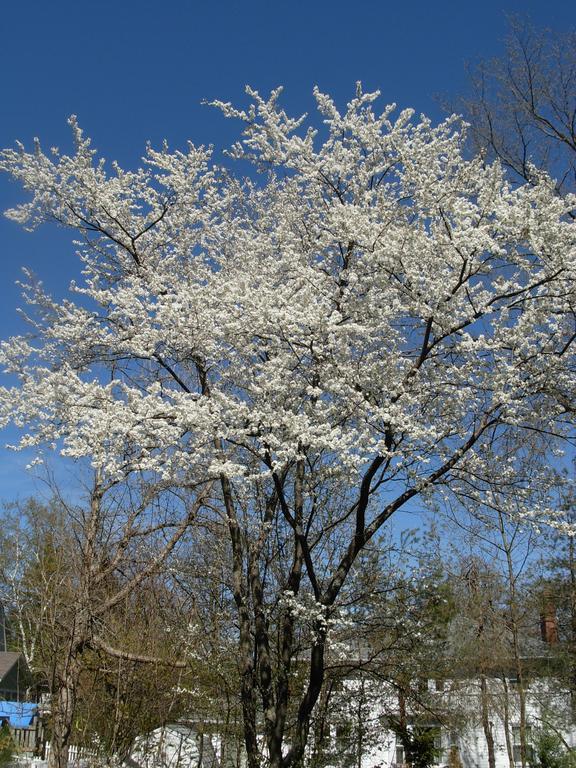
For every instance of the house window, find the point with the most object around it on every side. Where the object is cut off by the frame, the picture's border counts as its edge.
(440, 756)
(343, 735)
(517, 743)
(400, 756)
(8, 695)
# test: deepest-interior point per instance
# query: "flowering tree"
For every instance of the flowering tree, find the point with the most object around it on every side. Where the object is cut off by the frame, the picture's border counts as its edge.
(324, 347)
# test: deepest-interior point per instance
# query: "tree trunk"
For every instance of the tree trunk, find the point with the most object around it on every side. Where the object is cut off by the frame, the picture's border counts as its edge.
(245, 650)
(486, 725)
(506, 719)
(295, 756)
(321, 727)
(63, 711)
(360, 712)
(572, 568)
(515, 628)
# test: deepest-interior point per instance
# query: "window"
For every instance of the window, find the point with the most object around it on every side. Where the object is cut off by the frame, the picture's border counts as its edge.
(400, 757)
(343, 735)
(517, 743)
(440, 757)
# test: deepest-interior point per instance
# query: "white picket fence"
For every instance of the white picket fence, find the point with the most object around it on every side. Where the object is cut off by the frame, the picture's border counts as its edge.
(77, 756)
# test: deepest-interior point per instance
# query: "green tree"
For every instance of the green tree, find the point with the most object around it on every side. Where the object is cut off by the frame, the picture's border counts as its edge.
(550, 751)
(7, 747)
(419, 744)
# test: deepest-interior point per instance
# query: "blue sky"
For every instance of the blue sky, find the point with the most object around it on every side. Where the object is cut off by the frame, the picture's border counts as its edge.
(135, 70)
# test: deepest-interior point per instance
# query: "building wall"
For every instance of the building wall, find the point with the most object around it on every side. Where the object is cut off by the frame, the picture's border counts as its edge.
(460, 726)
(360, 737)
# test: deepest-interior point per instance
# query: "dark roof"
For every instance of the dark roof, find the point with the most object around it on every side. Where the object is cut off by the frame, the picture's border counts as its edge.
(7, 660)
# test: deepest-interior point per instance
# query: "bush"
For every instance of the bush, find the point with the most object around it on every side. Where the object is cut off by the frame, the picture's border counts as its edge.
(6, 746)
(550, 752)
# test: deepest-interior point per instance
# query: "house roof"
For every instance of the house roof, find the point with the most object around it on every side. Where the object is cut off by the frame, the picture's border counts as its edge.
(7, 660)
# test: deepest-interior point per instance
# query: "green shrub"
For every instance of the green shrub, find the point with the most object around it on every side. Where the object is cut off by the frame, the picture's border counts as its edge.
(7, 746)
(550, 752)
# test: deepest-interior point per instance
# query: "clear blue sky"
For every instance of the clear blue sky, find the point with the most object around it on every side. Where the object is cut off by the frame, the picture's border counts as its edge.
(136, 70)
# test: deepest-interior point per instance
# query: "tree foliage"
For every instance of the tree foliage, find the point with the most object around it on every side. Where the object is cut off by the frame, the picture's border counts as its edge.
(550, 752)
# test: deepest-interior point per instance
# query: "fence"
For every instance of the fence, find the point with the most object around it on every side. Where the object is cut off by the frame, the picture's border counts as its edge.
(25, 739)
(76, 755)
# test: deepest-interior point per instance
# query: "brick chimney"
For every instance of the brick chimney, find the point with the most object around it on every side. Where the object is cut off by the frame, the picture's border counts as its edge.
(2, 630)
(549, 623)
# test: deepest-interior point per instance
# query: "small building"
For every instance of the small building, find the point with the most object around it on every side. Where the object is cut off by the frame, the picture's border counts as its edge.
(16, 709)
(14, 676)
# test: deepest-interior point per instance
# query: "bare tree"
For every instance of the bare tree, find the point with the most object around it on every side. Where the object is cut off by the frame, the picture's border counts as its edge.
(82, 563)
(522, 107)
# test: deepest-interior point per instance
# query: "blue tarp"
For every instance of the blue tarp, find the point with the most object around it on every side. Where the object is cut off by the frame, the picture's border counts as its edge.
(19, 714)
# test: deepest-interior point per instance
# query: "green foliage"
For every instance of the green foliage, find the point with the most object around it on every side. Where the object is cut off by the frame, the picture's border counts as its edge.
(6, 746)
(419, 744)
(550, 752)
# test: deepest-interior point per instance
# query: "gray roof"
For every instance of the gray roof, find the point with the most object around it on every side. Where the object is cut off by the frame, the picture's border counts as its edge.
(7, 660)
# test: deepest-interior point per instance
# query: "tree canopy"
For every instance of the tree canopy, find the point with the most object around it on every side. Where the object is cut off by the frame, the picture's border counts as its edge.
(374, 319)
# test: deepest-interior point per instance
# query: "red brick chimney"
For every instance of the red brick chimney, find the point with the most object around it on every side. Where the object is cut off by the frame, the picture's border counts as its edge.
(549, 623)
